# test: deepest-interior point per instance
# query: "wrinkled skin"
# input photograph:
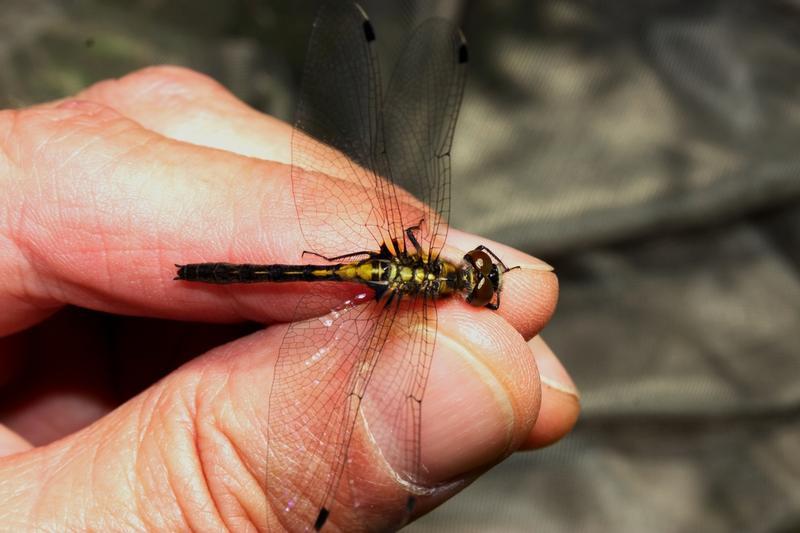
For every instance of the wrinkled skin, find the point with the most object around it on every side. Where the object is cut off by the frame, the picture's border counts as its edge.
(102, 194)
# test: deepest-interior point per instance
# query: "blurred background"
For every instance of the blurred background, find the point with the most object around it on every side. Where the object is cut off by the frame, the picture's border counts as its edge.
(648, 149)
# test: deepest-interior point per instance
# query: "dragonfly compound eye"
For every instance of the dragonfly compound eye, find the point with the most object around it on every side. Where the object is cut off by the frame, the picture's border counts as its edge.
(483, 292)
(481, 261)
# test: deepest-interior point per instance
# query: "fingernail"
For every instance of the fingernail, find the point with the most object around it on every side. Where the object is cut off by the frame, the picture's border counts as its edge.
(540, 266)
(552, 372)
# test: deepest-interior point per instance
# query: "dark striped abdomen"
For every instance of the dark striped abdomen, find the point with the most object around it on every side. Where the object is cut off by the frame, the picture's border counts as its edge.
(247, 273)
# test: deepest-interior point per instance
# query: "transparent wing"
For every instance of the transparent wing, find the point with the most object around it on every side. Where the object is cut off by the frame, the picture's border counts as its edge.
(398, 385)
(340, 105)
(321, 376)
(420, 113)
(344, 413)
(343, 206)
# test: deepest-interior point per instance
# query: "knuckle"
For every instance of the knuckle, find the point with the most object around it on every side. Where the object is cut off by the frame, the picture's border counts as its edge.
(78, 110)
(164, 82)
(169, 77)
(27, 135)
(37, 131)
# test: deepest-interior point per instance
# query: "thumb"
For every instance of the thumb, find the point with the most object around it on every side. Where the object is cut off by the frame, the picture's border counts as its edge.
(352, 443)
(191, 452)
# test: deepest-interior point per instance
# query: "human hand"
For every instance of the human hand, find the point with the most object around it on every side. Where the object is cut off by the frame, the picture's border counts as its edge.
(104, 193)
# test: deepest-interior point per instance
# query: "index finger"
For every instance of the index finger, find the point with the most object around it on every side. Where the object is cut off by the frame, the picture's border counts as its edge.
(167, 100)
(114, 205)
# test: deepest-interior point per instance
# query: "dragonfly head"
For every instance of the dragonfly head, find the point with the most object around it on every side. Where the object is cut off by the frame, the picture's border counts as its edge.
(487, 276)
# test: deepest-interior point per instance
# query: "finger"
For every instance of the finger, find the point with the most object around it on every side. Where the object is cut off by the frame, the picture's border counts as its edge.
(113, 206)
(103, 208)
(190, 452)
(99, 209)
(560, 399)
(189, 106)
(185, 105)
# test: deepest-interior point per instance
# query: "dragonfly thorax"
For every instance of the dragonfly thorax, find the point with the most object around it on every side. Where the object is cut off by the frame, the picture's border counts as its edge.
(478, 278)
(408, 274)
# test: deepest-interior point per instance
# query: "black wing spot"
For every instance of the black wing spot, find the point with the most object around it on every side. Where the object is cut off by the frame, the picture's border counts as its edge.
(322, 517)
(411, 502)
(369, 32)
(463, 54)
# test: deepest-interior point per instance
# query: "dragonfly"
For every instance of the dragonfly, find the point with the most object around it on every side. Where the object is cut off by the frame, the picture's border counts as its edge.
(371, 178)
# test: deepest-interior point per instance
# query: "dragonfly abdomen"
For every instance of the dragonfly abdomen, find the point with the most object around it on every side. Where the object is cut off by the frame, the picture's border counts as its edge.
(406, 275)
(222, 273)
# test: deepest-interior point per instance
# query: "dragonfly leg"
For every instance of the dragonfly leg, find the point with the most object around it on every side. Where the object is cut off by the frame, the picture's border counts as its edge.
(410, 234)
(388, 296)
